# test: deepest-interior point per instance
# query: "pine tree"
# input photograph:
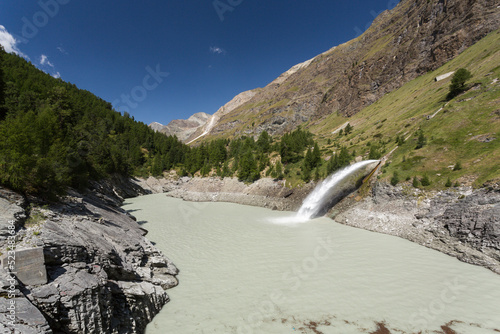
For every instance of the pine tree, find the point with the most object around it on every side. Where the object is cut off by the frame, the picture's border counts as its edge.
(263, 161)
(400, 140)
(316, 155)
(248, 171)
(344, 157)
(205, 170)
(157, 166)
(348, 129)
(333, 164)
(264, 142)
(425, 181)
(458, 82)
(308, 160)
(448, 183)
(306, 173)
(279, 170)
(317, 174)
(421, 140)
(225, 170)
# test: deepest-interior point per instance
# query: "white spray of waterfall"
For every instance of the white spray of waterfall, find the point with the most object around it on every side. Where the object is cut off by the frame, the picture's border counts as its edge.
(323, 192)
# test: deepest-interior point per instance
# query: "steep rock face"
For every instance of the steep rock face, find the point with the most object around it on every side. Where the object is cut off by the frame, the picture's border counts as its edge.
(182, 128)
(475, 219)
(411, 39)
(16, 311)
(103, 275)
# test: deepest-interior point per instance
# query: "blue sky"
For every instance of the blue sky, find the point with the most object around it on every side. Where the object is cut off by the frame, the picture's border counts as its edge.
(167, 59)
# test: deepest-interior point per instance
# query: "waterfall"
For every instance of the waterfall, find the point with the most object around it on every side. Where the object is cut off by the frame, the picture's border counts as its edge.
(331, 189)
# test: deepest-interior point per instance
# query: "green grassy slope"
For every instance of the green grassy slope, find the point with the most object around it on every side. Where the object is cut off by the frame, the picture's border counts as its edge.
(465, 130)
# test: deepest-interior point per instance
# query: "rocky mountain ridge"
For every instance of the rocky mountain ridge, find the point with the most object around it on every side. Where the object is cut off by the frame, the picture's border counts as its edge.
(401, 44)
(229, 107)
(182, 128)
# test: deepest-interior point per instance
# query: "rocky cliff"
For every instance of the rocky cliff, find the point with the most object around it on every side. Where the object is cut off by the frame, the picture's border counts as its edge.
(413, 38)
(103, 276)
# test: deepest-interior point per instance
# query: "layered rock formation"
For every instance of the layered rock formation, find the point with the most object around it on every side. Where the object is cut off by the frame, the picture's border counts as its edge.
(103, 275)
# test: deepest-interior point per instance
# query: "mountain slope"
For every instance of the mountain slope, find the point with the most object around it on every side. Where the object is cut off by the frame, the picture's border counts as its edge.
(402, 44)
(463, 131)
(56, 136)
(229, 107)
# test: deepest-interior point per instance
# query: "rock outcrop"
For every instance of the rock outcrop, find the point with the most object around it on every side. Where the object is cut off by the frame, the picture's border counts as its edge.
(475, 219)
(103, 275)
(463, 223)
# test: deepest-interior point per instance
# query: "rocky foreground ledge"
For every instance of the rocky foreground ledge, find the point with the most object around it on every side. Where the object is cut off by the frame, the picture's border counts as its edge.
(461, 222)
(102, 275)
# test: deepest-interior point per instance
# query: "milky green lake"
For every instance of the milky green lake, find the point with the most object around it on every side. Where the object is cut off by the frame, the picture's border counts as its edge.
(245, 270)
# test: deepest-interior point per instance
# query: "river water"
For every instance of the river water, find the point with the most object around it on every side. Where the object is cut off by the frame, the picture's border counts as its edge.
(245, 270)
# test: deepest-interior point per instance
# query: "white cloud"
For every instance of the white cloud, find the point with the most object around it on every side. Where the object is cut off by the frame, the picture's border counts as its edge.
(48, 67)
(9, 43)
(44, 60)
(62, 50)
(217, 50)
